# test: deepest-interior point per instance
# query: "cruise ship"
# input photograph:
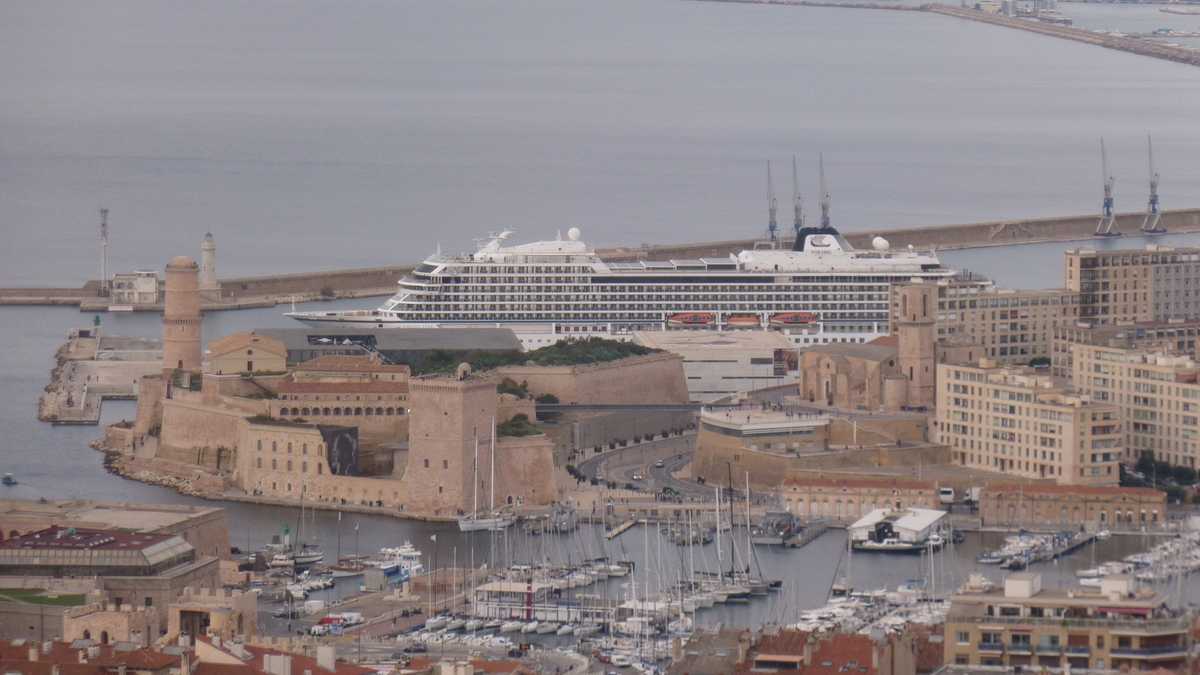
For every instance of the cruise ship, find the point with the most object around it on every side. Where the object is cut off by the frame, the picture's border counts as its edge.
(820, 290)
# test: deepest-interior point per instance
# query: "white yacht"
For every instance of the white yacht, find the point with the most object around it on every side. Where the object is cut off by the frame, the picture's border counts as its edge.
(820, 290)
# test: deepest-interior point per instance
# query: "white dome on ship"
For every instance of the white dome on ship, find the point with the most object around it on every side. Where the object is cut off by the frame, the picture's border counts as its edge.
(574, 234)
(880, 244)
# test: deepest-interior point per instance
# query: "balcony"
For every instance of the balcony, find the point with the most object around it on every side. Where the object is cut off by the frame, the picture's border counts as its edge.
(1159, 652)
(997, 647)
(1128, 626)
(1020, 648)
(1048, 649)
(1078, 650)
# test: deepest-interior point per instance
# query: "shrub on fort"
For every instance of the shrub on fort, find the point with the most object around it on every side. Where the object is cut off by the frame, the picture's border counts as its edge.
(567, 353)
(519, 425)
(509, 386)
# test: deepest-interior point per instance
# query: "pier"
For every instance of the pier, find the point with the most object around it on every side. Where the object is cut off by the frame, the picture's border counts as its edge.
(1134, 44)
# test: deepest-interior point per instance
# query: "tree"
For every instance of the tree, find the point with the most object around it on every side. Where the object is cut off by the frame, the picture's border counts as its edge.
(1145, 464)
(1183, 475)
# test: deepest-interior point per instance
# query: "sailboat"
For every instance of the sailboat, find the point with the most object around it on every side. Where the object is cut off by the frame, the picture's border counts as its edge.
(301, 553)
(497, 522)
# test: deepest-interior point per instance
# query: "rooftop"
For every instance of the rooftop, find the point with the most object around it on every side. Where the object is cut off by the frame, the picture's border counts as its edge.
(59, 538)
(884, 482)
(913, 519)
(390, 339)
(1095, 490)
(338, 363)
(236, 342)
(672, 340)
(365, 387)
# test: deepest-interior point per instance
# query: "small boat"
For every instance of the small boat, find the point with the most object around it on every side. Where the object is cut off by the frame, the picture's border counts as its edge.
(473, 625)
(455, 624)
(792, 318)
(587, 629)
(1102, 534)
(511, 626)
(692, 319)
(8, 479)
(476, 524)
(547, 627)
(621, 661)
(494, 624)
(530, 627)
(989, 558)
(743, 321)
(436, 622)
(566, 629)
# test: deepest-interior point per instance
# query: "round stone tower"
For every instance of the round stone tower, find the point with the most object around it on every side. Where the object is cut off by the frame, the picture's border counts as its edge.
(209, 287)
(917, 332)
(181, 315)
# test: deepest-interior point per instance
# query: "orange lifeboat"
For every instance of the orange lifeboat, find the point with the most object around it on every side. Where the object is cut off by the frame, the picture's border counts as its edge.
(743, 321)
(691, 319)
(792, 318)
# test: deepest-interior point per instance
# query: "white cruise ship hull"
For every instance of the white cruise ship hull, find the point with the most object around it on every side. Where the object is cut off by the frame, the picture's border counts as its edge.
(821, 291)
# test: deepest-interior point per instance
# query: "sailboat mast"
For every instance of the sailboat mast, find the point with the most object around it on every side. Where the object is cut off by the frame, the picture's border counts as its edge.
(475, 481)
(492, 466)
(732, 550)
(749, 538)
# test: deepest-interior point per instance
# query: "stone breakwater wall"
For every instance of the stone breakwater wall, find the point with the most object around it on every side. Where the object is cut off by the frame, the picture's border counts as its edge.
(973, 235)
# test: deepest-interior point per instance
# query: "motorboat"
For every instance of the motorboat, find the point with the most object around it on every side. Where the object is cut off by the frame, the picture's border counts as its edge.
(547, 627)
(455, 624)
(512, 626)
(566, 629)
(473, 625)
(437, 622)
(530, 627)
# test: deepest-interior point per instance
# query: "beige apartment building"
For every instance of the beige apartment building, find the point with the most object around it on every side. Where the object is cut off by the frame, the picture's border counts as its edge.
(1157, 393)
(1174, 335)
(1022, 625)
(1130, 285)
(1011, 326)
(1015, 421)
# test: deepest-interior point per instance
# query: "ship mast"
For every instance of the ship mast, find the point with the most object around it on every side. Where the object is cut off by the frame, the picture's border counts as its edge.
(825, 197)
(797, 202)
(772, 225)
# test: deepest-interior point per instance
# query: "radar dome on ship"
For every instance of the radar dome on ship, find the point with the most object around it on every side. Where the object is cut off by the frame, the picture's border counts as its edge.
(880, 244)
(574, 234)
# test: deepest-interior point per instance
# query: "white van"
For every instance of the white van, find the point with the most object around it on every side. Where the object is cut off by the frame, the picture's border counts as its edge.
(946, 495)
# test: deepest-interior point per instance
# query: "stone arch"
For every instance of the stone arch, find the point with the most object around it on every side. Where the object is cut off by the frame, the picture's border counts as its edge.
(391, 411)
(283, 412)
(325, 411)
(378, 411)
(103, 637)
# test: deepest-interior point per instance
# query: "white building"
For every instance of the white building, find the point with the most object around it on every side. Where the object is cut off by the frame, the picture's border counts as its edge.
(909, 526)
(139, 287)
(725, 363)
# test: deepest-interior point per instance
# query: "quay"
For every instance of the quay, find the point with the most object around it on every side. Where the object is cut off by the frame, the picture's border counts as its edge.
(1135, 44)
(277, 289)
(90, 369)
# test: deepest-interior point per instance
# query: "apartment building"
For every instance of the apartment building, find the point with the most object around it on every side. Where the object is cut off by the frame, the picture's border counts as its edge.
(1015, 421)
(1130, 285)
(1022, 625)
(1157, 393)
(1011, 326)
(1174, 335)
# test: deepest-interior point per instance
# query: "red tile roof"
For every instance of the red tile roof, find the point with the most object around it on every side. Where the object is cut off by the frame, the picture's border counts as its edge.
(1049, 488)
(108, 657)
(58, 537)
(351, 364)
(371, 387)
(499, 666)
(841, 653)
(301, 663)
(882, 482)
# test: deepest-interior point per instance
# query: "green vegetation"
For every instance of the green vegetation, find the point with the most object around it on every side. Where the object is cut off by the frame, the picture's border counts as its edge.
(547, 398)
(519, 425)
(508, 386)
(265, 419)
(34, 596)
(568, 353)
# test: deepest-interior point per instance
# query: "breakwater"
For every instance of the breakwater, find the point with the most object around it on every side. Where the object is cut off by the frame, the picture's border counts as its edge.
(1126, 43)
(275, 289)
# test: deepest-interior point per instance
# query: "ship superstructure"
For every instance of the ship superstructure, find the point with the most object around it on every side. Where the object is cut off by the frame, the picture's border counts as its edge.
(821, 290)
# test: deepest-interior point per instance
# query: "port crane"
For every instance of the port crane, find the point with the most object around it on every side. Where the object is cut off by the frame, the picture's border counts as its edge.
(797, 202)
(825, 197)
(1152, 223)
(1108, 219)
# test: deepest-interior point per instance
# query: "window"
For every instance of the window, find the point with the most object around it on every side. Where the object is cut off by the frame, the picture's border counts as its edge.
(964, 637)
(445, 464)
(149, 602)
